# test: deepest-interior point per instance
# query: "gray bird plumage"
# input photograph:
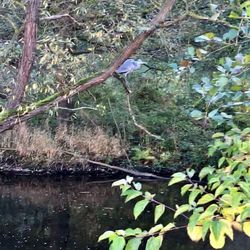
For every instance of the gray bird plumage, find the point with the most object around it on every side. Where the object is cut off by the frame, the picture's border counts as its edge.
(129, 66)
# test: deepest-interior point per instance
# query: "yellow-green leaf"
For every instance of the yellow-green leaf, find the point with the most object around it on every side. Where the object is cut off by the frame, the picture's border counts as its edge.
(195, 234)
(181, 209)
(159, 211)
(217, 243)
(155, 229)
(168, 227)
(133, 244)
(246, 228)
(139, 207)
(106, 235)
(205, 199)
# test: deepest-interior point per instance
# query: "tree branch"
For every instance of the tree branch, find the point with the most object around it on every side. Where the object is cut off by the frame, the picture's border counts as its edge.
(60, 16)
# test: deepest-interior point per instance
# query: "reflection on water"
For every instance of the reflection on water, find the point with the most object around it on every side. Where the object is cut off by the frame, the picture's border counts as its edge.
(71, 214)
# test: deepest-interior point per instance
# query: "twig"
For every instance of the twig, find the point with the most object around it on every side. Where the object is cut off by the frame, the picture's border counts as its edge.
(124, 83)
(132, 172)
(76, 109)
(59, 16)
(204, 18)
(137, 124)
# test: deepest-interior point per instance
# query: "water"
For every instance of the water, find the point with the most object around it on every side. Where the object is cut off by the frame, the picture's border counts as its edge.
(71, 213)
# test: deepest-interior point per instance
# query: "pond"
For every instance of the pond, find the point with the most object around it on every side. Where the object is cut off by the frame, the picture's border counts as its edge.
(70, 213)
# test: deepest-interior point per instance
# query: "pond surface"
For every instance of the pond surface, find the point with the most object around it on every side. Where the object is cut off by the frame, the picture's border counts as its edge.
(71, 213)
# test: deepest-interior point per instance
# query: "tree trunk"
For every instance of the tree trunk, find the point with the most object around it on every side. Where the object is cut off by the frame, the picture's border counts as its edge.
(29, 46)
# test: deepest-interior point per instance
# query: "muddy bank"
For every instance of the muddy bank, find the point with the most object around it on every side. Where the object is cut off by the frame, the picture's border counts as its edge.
(13, 164)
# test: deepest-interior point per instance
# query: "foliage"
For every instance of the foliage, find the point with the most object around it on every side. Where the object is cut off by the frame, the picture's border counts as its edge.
(217, 203)
(218, 197)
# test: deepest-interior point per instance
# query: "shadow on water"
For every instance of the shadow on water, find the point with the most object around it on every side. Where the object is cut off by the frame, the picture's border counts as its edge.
(71, 213)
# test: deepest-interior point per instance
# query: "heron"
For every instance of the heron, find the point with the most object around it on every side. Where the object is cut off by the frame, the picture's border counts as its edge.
(129, 66)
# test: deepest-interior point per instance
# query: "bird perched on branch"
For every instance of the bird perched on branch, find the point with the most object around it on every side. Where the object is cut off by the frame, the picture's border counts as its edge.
(129, 66)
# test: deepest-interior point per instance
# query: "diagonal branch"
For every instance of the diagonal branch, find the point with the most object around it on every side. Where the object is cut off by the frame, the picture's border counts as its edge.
(9, 118)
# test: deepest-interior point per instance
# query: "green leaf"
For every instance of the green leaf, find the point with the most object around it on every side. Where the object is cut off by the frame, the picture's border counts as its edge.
(205, 171)
(154, 243)
(149, 196)
(218, 135)
(205, 199)
(129, 179)
(193, 220)
(177, 177)
(124, 188)
(231, 34)
(106, 235)
(245, 214)
(193, 195)
(217, 243)
(185, 188)
(215, 228)
(155, 229)
(168, 227)
(205, 227)
(233, 14)
(182, 209)
(119, 183)
(220, 190)
(209, 212)
(118, 243)
(246, 228)
(221, 161)
(159, 211)
(196, 114)
(137, 185)
(195, 233)
(132, 194)
(139, 207)
(133, 244)
(190, 172)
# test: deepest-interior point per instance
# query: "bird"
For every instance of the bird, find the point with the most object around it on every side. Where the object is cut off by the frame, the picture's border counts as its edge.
(129, 66)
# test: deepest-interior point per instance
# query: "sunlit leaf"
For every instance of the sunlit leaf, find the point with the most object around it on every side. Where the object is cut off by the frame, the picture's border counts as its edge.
(159, 211)
(154, 243)
(155, 229)
(132, 194)
(133, 244)
(139, 207)
(246, 228)
(106, 235)
(195, 233)
(176, 178)
(217, 243)
(205, 199)
(181, 209)
(118, 243)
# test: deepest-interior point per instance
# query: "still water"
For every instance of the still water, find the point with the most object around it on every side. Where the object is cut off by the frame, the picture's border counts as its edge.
(70, 213)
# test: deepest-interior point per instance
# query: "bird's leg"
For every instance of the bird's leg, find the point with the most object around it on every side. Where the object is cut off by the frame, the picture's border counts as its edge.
(124, 83)
(126, 86)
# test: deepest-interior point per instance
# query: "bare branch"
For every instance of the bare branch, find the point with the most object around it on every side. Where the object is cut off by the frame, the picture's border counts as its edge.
(60, 16)
(137, 124)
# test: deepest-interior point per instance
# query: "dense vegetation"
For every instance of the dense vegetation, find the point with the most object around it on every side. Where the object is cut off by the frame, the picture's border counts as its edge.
(193, 92)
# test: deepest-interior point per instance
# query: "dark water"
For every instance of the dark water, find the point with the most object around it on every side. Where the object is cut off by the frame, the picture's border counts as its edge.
(71, 214)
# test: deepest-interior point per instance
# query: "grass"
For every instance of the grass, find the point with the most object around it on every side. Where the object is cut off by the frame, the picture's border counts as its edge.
(40, 144)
